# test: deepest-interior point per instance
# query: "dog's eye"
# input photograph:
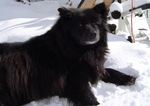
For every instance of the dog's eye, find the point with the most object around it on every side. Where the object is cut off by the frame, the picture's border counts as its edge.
(80, 25)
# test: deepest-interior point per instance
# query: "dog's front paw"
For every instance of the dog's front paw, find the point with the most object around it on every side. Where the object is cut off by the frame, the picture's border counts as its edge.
(130, 80)
(118, 78)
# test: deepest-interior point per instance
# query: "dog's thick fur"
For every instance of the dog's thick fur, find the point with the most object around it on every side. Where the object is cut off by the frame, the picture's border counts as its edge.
(60, 62)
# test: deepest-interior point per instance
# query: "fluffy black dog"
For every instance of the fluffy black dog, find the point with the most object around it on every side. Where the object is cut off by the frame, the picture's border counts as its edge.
(60, 62)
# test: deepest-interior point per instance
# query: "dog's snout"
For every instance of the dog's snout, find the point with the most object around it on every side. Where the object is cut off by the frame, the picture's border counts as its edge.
(93, 35)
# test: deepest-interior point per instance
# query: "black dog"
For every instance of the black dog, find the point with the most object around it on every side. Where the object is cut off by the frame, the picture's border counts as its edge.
(60, 62)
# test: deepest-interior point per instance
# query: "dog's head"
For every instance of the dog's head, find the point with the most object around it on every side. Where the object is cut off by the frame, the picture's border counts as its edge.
(84, 26)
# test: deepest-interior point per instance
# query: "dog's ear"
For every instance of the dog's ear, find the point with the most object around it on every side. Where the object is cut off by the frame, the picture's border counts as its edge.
(101, 9)
(63, 12)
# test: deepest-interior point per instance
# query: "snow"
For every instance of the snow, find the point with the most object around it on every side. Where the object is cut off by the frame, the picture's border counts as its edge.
(19, 22)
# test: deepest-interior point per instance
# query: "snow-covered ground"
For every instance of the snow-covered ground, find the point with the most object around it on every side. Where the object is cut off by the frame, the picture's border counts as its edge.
(19, 22)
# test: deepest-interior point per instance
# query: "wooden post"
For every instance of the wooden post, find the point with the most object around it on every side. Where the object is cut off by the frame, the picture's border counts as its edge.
(108, 3)
(88, 4)
(91, 3)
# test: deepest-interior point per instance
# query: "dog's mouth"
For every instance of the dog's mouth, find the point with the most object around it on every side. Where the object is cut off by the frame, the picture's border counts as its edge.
(89, 42)
(92, 41)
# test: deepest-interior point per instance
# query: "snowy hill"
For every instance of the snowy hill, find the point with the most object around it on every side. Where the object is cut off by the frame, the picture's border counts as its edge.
(19, 22)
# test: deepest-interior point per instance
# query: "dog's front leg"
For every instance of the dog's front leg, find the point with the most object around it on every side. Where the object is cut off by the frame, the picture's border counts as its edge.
(118, 78)
(78, 92)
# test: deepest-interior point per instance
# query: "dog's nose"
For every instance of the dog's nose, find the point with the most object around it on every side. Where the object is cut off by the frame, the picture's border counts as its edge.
(93, 35)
